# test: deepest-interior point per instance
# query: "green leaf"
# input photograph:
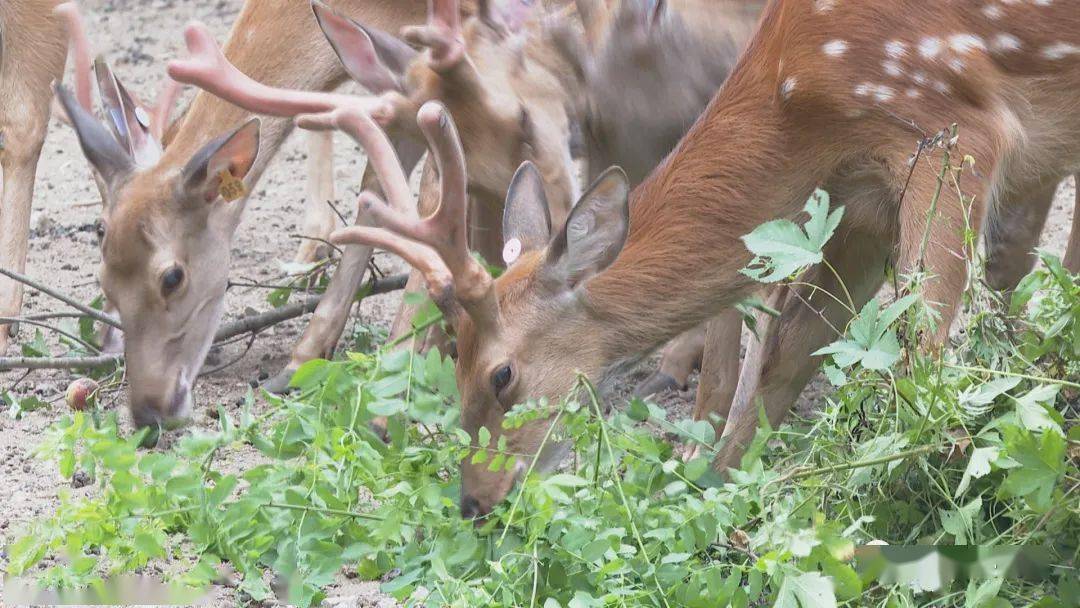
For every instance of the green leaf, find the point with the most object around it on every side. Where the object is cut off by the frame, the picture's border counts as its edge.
(978, 466)
(1041, 464)
(872, 343)
(961, 522)
(806, 590)
(1032, 409)
(781, 247)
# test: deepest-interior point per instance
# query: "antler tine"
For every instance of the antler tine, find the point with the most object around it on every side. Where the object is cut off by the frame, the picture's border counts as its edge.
(445, 231)
(210, 70)
(442, 35)
(359, 125)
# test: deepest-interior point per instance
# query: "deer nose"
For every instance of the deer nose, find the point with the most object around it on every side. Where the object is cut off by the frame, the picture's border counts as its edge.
(471, 509)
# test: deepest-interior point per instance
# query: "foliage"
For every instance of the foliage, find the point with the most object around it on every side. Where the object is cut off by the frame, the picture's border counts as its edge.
(976, 444)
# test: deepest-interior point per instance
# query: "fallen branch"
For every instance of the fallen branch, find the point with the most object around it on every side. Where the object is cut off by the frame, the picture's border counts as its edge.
(10, 363)
(256, 323)
(93, 313)
(251, 324)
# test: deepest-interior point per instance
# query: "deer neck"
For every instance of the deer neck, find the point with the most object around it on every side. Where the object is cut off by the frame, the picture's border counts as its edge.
(742, 164)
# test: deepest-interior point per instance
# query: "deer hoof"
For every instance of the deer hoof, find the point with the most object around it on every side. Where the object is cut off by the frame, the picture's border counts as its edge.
(278, 384)
(655, 384)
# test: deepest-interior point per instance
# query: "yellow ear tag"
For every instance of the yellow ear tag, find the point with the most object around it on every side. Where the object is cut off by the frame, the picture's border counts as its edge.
(231, 188)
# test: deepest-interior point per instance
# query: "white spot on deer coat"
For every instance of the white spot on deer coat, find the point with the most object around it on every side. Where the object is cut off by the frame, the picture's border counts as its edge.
(892, 68)
(823, 6)
(895, 49)
(788, 87)
(1060, 50)
(919, 78)
(913, 93)
(863, 89)
(965, 43)
(930, 47)
(883, 93)
(1005, 42)
(835, 48)
(992, 11)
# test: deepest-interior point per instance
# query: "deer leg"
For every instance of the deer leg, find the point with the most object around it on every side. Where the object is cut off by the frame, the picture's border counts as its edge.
(319, 218)
(680, 358)
(719, 372)
(1012, 233)
(22, 132)
(328, 321)
(1072, 252)
(778, 364)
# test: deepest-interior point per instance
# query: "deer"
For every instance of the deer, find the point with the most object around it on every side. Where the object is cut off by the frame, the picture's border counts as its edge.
(33, 53)
(168, 231)
(827, 94)
(507, 90)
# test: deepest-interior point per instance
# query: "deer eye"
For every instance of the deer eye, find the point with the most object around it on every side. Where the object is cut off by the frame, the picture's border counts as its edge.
(172, 279)
(501, 379)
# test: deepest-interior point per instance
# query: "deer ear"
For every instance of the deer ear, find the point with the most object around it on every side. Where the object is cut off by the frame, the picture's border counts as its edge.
(111, 161)
(375, 59)
(234, 153)
(128, 118)
(594, 233)
(526, 221)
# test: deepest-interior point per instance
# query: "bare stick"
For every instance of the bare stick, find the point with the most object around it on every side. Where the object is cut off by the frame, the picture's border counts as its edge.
(250, 324)
(52, 328)
(263, 320)
(90, 312)
(10, 363)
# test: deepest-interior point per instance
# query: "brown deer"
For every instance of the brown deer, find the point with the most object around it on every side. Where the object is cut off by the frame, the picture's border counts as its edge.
(830, 94)
(506, 90)
(33, 51)
(166, 250)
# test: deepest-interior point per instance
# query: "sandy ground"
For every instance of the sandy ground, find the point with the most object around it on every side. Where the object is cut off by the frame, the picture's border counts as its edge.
(136, 36)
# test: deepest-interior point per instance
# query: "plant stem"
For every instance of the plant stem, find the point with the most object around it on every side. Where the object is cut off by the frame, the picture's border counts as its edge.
(1014, 375)
(582, 380)
(800, 473)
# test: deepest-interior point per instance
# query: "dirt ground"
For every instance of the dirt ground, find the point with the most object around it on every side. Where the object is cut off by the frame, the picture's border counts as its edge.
(137, 36)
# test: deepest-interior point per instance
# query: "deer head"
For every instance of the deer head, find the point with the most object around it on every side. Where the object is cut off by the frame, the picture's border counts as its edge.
(151, 245)
(501, 364)
(488, 72)
(636, 51)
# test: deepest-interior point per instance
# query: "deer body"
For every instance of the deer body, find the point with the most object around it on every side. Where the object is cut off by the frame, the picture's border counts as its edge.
(33, 50)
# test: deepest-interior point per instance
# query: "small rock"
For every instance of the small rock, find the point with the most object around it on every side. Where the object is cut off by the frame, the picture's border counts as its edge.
(80, 479)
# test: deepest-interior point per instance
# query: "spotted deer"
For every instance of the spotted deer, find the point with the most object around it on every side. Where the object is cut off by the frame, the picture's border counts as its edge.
(168, 234)
(507, 91)
(828, 94)
(33, 51)
(647, 69)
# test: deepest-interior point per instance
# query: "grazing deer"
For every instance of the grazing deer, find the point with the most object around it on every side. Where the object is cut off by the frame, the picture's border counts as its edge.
(168, 233)
(33, 50)
(830, 94)
(506, 90)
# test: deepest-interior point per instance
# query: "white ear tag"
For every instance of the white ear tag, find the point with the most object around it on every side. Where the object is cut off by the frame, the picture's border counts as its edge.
(511, 251)
(142, 117)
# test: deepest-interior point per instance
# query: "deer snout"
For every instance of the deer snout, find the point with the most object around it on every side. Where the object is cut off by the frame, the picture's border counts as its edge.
(472, 509)
(168, 407)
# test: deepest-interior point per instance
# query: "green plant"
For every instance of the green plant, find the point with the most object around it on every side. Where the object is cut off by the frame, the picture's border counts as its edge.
(973, 445)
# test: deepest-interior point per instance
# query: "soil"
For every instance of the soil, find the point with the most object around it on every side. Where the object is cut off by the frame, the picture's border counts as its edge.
(137, 36)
